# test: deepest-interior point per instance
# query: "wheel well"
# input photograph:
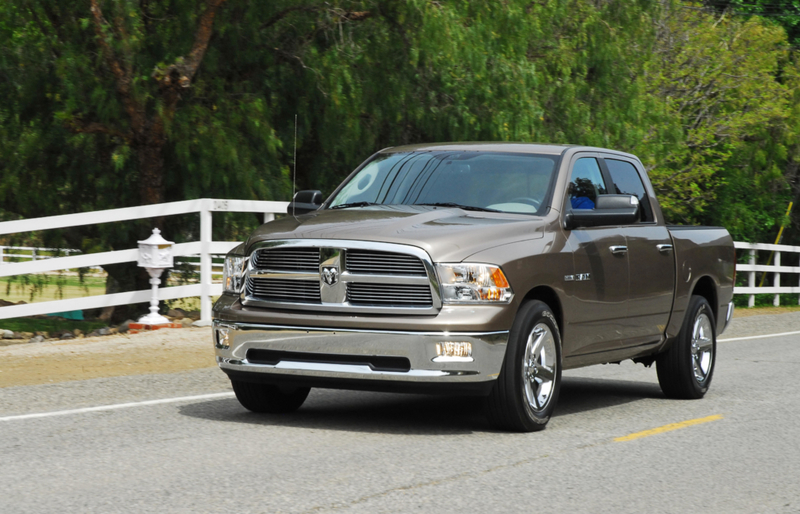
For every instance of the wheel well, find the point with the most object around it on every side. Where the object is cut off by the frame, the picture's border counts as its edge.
(705, 287)
(548, 296)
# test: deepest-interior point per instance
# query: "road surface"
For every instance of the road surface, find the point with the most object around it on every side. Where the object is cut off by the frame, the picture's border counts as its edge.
(177, 440)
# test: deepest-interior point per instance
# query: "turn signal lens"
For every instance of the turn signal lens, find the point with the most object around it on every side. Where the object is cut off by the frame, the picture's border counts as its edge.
(499, 278)
(473, 283)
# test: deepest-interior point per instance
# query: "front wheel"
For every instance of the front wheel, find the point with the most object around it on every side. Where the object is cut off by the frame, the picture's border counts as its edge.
(685, 370)
(526, 392)
(269, 398)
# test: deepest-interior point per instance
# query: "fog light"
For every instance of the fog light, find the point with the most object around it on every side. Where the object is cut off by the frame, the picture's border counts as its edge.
(223, 340)
(453, 351)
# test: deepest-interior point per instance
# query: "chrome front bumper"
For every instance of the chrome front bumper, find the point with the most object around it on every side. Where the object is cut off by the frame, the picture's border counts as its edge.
(348, 355)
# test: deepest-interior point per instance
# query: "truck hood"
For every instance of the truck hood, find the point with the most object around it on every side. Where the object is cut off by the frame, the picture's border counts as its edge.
(447, 234)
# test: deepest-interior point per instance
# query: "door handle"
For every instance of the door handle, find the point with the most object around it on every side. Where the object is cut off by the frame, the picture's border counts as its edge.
(618, 250)
(664, 248)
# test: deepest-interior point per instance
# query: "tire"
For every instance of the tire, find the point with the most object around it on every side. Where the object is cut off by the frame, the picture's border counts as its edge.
(686, 368)
(269, 398)
(526, 392)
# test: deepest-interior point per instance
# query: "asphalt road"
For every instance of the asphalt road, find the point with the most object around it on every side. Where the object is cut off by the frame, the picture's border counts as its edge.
(367, 452)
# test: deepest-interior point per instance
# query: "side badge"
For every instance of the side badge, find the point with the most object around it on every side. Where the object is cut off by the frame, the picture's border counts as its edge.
(580, 277)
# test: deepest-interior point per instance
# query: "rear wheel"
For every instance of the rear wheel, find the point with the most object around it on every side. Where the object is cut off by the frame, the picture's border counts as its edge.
(526, 392)
(269, 398)
(686, 369)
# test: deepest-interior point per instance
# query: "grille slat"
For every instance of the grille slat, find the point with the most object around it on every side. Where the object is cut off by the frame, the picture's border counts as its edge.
(389, 294)
(383, 263)
(284, 290)
(288, 259)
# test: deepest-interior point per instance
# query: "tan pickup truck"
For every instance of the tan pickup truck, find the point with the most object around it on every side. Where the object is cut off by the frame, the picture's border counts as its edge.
(477, 268)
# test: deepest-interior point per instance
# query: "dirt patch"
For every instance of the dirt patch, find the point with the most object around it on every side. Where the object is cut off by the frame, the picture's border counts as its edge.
(160, 351)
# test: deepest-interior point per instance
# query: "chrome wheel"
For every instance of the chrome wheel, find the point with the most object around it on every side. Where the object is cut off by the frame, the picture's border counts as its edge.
(702, 346)
(539, 367)
(686, 367)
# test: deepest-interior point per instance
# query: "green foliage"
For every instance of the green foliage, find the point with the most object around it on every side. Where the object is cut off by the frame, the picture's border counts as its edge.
(66, 145)
(50, 325)
(716, 77)
(708, 99)
(785, 13)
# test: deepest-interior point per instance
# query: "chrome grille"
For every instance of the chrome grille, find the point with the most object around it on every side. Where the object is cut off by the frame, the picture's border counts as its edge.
(383, 263)
(387, 295)
(306, 291)
(341, 276)
(288, 259)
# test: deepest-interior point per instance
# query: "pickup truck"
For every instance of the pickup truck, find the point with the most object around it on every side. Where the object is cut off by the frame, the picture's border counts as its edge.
(476, 268)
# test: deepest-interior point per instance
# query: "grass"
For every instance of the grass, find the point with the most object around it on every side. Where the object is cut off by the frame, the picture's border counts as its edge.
(49, 325)
(43, 288)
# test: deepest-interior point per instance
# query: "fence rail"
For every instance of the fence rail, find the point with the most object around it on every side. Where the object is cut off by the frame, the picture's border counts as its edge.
(35, 252)
(204, 248)
(38, 252)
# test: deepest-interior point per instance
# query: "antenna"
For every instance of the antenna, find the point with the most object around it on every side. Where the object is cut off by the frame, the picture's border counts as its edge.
(294, 175)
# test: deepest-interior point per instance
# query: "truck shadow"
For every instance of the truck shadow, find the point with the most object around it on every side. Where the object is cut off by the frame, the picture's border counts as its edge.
(586, 394)
(355, 411)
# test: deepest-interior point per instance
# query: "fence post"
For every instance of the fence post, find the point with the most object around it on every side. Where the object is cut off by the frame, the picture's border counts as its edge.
(269, 216)
(205, 263)
(751, 281)
(33, 254)
(777, 282)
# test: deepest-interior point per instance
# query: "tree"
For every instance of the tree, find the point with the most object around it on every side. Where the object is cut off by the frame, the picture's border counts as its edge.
(718, 151)
(115, 103)
(783, 12)
(93, 100)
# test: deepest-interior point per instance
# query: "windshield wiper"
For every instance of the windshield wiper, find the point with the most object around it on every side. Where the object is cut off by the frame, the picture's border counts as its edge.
(465, 207)
(354, 204)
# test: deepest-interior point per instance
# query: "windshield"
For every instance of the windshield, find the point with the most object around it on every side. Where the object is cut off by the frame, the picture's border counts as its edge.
(487, 181)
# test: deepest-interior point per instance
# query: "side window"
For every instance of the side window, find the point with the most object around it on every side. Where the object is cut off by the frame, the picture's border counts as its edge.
(586, 183)
(628, 182)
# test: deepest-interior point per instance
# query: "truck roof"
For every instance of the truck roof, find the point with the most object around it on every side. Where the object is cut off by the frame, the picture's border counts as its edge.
(496, 146)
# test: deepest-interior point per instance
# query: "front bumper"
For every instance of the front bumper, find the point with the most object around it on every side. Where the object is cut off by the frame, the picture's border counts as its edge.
(357, 359)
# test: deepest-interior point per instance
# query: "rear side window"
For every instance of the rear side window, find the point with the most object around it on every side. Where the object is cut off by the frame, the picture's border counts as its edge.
(628, 182)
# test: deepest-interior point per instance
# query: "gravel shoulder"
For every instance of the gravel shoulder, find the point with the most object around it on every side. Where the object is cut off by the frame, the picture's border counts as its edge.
(762, 324)
(187, 349)
(159, 351)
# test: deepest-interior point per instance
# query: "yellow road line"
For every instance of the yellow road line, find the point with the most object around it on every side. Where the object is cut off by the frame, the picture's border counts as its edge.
(668, 428)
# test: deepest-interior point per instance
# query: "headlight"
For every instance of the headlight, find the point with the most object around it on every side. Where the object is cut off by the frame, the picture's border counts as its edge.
(473, 283)
(233, 273)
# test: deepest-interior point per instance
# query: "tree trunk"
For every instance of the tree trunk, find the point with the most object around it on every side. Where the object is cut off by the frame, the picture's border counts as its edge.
(151, 171)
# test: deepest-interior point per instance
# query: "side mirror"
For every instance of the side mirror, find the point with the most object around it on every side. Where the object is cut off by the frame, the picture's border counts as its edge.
(305, 202)
(609, 210)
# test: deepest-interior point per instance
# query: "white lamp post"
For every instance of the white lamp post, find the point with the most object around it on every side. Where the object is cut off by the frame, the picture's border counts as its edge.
(155, 255)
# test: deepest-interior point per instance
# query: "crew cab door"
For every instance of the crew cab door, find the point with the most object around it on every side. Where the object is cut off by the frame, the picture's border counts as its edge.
(651, 257)
(597, 290)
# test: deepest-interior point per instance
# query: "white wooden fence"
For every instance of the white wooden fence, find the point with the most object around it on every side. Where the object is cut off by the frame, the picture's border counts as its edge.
(775, 267)
(204, 247)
